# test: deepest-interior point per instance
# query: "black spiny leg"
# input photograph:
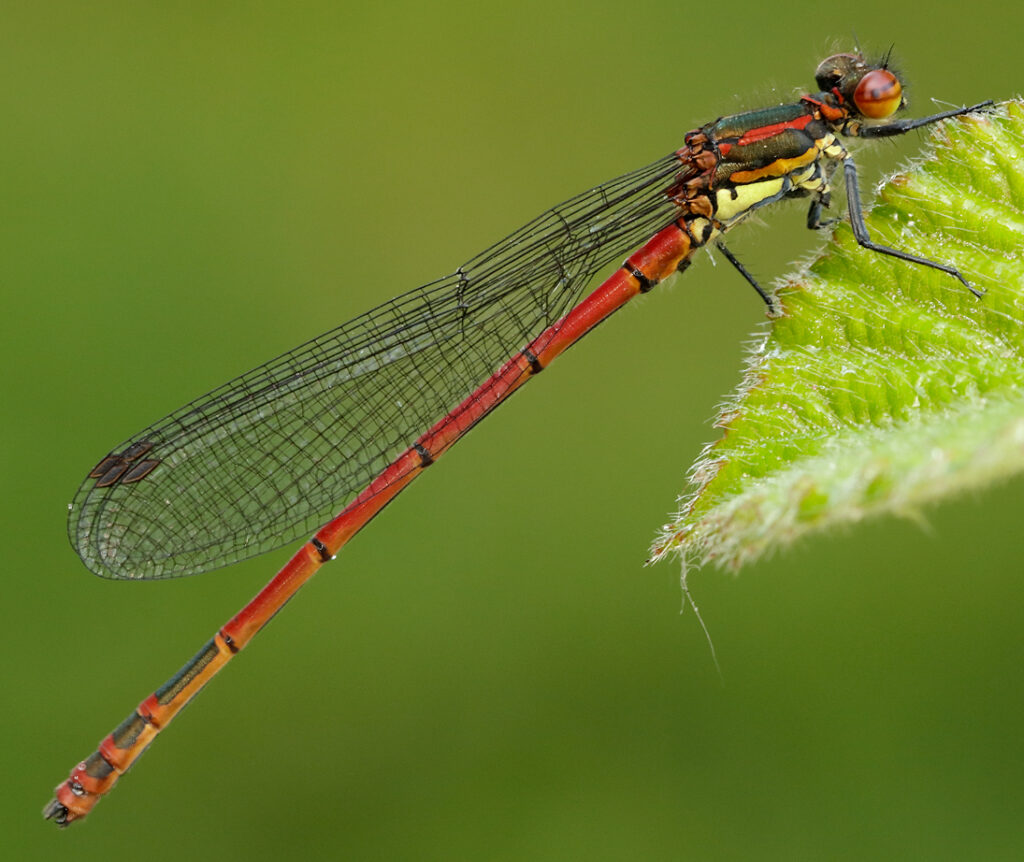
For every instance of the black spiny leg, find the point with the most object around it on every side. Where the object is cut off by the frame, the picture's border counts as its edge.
(822, 199)
(860, 230)
(818, 203)
(729, 256)
(901, 127)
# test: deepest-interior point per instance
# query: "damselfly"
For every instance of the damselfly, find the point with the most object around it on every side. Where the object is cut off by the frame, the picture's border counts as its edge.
(349, 419)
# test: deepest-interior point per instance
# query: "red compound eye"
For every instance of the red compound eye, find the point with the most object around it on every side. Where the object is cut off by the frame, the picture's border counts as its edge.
(878, 95)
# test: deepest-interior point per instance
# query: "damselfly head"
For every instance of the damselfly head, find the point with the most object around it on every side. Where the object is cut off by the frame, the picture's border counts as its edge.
(873, 90)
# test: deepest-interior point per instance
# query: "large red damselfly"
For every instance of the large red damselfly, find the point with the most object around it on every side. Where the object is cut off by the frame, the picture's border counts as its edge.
(349, 419)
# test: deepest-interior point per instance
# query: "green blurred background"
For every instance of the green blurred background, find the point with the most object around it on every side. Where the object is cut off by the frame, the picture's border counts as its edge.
(488, 672)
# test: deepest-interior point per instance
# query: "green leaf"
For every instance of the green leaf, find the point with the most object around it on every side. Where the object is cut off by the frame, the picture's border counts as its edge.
(883, 385)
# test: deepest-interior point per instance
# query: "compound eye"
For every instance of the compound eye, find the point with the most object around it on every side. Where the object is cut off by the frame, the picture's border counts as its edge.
(832, 70)
(879, 94)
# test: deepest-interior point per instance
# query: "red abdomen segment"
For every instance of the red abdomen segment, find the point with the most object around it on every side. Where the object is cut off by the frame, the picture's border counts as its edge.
(667, 251)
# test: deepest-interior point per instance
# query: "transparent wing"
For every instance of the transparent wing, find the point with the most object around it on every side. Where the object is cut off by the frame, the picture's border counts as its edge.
(273, 454)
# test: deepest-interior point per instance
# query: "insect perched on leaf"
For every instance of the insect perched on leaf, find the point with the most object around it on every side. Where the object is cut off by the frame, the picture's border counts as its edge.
(349, 419)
